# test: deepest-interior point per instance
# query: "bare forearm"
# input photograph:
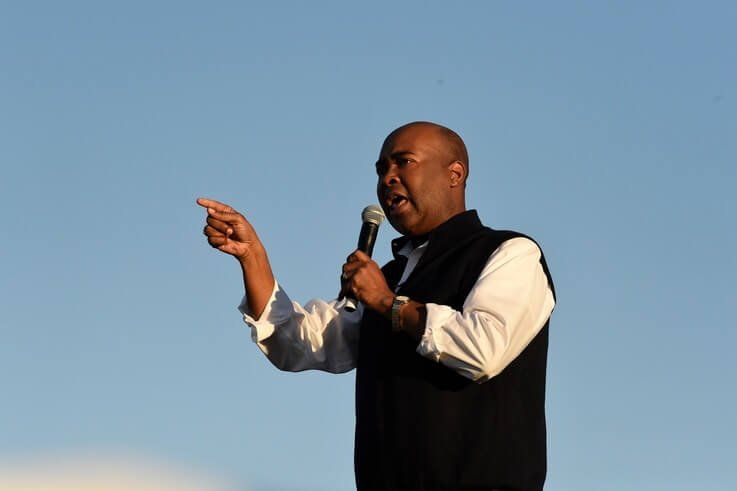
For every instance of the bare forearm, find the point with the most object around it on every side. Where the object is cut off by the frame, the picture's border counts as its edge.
(228, 231)
(258, 280)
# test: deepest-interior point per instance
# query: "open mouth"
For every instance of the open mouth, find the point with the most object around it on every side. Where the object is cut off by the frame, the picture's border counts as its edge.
(396, 202)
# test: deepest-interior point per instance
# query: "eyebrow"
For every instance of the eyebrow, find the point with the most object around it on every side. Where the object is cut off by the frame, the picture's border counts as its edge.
(400, 153)
(394, 155)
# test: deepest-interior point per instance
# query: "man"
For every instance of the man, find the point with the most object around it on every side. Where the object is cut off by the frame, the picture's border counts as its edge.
(449, 340)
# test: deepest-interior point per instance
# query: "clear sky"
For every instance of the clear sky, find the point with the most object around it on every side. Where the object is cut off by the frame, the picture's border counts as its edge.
(606, 130)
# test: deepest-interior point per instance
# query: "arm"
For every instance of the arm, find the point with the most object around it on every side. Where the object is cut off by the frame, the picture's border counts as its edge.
(230, 232)
(505, 309)
(321, 335)
(317, 336)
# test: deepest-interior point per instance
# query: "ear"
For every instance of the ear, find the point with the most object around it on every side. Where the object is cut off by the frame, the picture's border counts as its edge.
(458, 173)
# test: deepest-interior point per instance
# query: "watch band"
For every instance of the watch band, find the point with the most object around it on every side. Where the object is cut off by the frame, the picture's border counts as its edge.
(397, 304)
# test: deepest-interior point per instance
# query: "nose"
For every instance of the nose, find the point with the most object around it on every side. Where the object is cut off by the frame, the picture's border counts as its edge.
(390, 177)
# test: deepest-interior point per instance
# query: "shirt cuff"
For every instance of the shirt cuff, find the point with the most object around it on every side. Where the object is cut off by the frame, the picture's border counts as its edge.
(432, 343)
(277, 311)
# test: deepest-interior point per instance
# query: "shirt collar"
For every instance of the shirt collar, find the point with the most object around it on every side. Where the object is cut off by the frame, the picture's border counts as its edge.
(442, 236)
(408, 248)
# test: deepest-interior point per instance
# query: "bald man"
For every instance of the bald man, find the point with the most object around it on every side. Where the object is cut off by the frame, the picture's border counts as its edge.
(449, 340)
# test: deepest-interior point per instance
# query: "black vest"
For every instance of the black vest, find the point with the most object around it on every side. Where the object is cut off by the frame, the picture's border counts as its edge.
(421, 426)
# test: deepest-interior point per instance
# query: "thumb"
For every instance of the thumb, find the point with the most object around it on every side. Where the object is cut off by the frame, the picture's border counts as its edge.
(362, 256)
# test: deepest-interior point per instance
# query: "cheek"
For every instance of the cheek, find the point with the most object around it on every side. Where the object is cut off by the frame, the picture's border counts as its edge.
(428, 201)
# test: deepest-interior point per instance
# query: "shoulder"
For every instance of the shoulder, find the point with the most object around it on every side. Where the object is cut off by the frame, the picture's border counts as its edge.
(509, 240)
(519, 245)
(510, 246)
(512, 249)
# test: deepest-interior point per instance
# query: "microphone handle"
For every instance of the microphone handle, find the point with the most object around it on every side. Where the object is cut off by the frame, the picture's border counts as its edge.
(367, 238)
(366, 241)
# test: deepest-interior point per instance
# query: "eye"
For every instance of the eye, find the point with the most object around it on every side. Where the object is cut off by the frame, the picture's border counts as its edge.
(403, 161)
(381, 168)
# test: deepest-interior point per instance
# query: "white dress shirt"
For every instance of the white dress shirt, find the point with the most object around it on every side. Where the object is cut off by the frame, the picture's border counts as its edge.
(506, 307)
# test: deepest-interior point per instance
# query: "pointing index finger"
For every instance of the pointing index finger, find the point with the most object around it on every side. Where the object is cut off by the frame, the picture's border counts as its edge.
(215, 205)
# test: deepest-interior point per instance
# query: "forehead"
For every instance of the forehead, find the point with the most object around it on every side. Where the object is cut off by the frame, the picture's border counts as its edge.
(418, 138)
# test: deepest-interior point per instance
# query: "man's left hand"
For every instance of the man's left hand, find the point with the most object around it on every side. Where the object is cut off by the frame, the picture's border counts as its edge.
(364, 278)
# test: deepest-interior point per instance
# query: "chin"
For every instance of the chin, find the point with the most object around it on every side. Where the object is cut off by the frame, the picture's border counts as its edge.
(409, 229)
(399, 226)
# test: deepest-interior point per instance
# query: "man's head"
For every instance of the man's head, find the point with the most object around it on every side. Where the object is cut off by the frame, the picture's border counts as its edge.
(422, 171)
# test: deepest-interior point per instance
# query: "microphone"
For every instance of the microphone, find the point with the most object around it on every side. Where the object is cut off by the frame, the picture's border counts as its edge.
(371, 216)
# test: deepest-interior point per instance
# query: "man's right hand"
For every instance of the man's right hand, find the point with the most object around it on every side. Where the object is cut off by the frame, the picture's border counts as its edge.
(229, 231)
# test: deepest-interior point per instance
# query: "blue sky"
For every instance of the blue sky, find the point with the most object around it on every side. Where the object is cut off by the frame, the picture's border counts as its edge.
(605, 130)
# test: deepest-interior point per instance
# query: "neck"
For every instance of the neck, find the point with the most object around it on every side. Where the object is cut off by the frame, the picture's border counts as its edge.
(418, 240)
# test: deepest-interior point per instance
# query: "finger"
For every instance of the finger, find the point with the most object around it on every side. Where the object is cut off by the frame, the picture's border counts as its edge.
(350, 268)
(219, 225)
(352, 258)
(211, 232)
(217, 240)
(359, 256)
(354, 290)
(225, 216)
(215, 205)
(362, 256)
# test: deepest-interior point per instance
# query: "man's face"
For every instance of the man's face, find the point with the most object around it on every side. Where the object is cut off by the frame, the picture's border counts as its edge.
(414, 181)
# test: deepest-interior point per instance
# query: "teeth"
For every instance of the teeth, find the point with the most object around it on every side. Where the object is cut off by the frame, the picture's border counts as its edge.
(396, 201)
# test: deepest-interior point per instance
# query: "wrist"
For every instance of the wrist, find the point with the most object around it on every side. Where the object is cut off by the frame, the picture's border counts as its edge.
(398, 304)
(255, 257)
(385, 305)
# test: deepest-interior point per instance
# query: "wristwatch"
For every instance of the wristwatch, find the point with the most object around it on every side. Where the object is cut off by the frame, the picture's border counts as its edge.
(397, 304)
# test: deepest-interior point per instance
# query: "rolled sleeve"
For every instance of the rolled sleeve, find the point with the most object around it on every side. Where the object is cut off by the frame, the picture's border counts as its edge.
(277, 311)
(507, 306)
(317, 336)
(431, 344)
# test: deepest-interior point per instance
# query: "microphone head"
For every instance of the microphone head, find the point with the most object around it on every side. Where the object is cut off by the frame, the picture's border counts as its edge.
(373, 214)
